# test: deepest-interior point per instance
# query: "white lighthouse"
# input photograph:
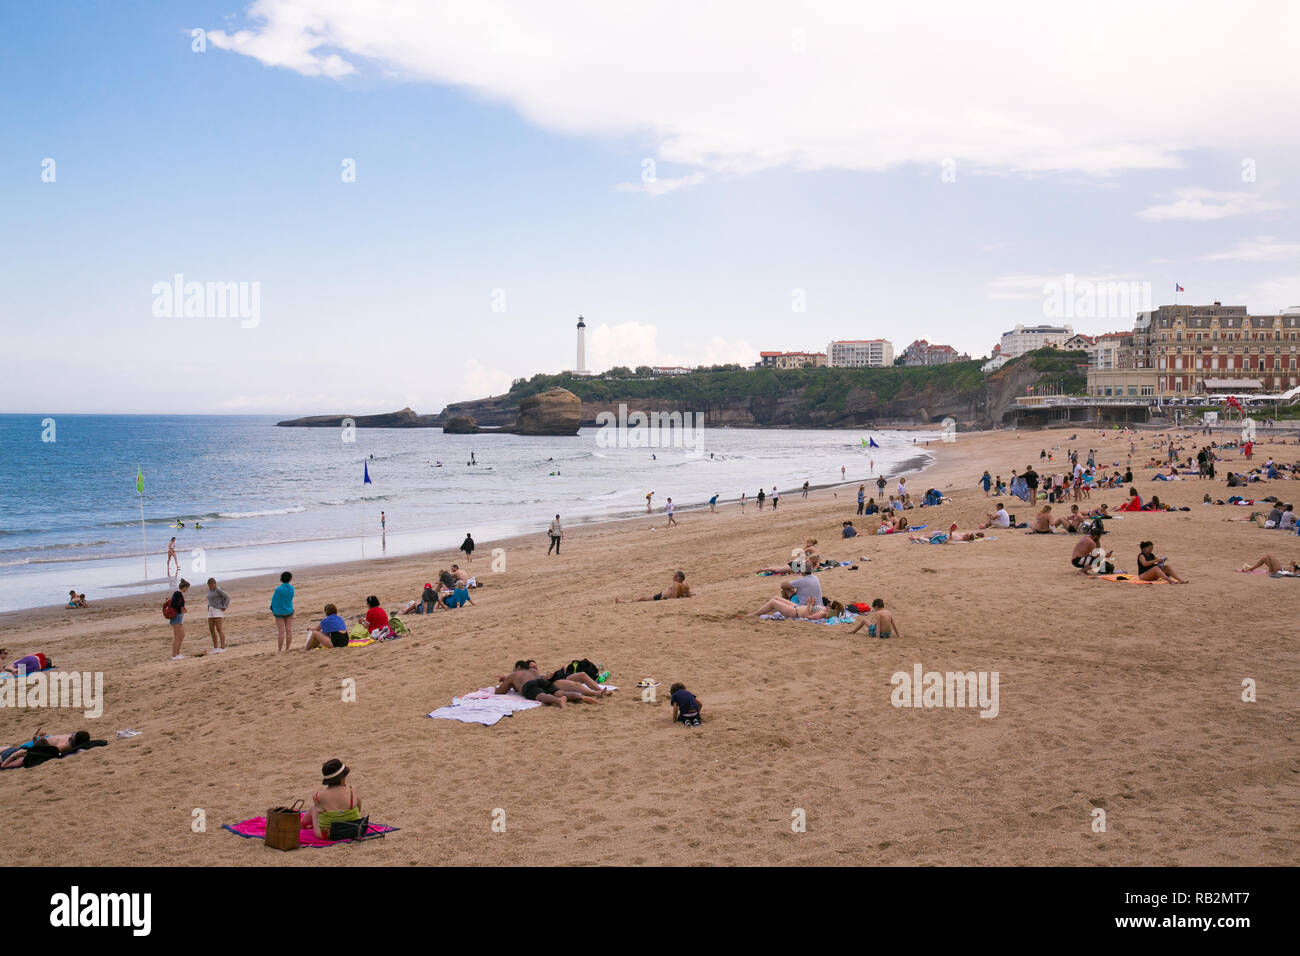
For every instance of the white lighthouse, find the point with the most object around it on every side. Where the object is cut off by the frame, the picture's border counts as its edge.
(581, 367)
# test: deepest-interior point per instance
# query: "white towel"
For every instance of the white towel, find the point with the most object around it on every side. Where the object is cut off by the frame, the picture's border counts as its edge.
(473, 709)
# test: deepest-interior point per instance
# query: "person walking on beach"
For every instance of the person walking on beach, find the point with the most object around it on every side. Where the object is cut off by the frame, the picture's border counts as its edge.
(986, 481)
(713, 503)
(648, 496)
(668, 510)
(762, 496)
(774, 497)
(805, 487)
(218, 602)
(862, 497)
(171, 556)
(178, 622)
(880, 487)
(468, 547)
(556, 533)
(282, 608)
(742, 502)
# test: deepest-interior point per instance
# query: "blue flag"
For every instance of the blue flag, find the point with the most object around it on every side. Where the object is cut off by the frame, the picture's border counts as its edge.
(366, 466)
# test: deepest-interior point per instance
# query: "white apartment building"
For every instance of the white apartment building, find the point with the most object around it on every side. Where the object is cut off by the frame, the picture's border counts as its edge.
(860, 353)
(1026, 338)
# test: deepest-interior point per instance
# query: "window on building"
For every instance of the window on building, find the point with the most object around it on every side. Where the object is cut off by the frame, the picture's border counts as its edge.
(1132, 389)
(1146, 390)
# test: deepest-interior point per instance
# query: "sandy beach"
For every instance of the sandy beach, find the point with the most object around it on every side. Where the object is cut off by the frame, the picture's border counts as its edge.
(1122, 697)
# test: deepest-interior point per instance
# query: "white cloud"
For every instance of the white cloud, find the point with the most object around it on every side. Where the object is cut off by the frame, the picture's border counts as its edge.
(1260, 249)
(1201, 205)
(634, 343)
(1272, 295)
(480, 381)
(742, 85)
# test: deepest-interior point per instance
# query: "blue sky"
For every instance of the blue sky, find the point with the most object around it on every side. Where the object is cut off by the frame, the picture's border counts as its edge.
(501, 146)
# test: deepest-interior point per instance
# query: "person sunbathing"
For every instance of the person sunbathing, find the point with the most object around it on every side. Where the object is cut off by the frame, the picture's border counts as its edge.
(1151, 568)
(677, 589)
(806, 612)
(30, 664)
(13, 757)
(528, 681)
(337, 803)
(463, 577)
(575, 683)
(1273, 564)
(1134, 503)
(1154, 504)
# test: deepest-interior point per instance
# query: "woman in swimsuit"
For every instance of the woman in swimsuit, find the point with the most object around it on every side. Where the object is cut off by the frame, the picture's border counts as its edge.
(790, 609)
(337, 803)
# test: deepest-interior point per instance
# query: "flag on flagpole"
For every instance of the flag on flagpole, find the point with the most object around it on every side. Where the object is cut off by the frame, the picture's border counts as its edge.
(366, 465)
(1178, 288)
(139, 480)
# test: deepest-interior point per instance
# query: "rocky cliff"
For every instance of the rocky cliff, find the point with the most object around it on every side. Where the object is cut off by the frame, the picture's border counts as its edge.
(403, 419)
(556, 411)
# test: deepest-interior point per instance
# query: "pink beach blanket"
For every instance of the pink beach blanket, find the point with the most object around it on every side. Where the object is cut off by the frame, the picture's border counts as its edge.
(255, 829)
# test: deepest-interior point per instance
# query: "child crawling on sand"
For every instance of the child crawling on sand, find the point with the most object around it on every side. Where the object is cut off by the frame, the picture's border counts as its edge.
(878, 622)
(686, 706)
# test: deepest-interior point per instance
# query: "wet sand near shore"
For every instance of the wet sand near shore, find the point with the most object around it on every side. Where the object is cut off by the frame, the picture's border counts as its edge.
(1126, 698)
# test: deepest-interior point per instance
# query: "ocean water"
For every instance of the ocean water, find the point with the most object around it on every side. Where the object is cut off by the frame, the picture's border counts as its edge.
(271, 498)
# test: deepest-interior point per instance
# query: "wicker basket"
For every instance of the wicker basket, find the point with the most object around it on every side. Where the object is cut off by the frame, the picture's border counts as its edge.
(283, 825)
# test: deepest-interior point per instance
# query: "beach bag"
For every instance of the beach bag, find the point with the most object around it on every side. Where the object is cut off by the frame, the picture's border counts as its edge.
(169, 612)
(283, 825)
(584, 665)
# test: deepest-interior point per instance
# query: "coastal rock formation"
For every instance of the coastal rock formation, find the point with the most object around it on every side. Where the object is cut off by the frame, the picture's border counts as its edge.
(460, 425)
(406, 418)
(556, 411)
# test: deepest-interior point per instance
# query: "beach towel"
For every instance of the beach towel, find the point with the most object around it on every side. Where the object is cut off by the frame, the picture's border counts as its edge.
(29, 673)
(362, 641)
(1128, 579)
(778, 616)
(254, 828)
(483, 706)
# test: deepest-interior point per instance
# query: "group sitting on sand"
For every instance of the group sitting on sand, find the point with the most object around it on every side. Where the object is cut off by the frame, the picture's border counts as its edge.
(76, 600)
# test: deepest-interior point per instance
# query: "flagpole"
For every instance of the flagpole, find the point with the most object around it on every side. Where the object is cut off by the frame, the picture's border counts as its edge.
(144, 544)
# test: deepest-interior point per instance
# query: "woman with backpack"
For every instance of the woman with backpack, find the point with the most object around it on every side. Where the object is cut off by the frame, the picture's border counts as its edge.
(177, 618)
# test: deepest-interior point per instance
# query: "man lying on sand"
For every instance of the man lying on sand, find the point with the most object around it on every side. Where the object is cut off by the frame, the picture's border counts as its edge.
(529, 682)
(678, 589)
(13, 757)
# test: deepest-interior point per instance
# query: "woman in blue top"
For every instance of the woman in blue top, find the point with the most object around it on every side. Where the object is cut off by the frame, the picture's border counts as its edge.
(333, 630)
(282, 608)
(986, 481)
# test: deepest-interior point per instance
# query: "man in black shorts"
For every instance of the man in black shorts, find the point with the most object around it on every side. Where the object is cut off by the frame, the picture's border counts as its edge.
(530, 683)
